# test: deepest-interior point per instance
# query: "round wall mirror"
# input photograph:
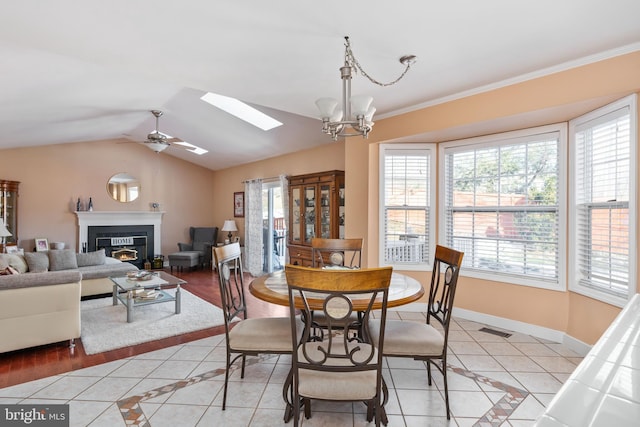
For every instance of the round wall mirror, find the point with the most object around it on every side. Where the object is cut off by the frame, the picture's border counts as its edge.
(123, 187)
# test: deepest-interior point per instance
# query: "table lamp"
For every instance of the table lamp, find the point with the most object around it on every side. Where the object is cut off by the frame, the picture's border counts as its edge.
(229, 225)
(4, 233)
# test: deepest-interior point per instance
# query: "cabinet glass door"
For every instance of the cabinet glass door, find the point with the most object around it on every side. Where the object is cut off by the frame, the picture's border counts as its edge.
(309, 214)
(341, 211)
(325, 211)
(295, 214)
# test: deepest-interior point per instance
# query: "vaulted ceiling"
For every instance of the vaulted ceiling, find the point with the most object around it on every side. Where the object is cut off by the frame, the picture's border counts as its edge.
(91, 70)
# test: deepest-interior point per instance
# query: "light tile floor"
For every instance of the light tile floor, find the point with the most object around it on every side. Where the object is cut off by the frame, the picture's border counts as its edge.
(493, 381)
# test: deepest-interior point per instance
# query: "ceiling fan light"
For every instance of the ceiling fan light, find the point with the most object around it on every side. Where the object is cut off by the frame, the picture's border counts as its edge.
(360, 104)
(326, 106)
(158, 147)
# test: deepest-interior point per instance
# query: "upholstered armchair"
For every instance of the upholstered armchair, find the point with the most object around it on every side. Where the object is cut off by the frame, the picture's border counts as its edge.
(202, 239)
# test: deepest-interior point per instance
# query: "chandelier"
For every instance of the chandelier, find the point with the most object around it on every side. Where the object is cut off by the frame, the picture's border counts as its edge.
(356, 116)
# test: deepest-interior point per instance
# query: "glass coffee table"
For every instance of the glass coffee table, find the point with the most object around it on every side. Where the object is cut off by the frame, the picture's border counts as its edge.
(134, 292)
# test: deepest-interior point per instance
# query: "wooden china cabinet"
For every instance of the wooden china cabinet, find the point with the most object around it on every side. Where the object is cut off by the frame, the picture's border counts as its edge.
(316, 209)
(9, 210)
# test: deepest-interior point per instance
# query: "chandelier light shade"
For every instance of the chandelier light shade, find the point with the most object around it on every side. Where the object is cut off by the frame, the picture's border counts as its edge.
(356, 116)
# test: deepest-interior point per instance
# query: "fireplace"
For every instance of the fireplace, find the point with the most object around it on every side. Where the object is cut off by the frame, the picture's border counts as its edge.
(128, 243)
(131, 236)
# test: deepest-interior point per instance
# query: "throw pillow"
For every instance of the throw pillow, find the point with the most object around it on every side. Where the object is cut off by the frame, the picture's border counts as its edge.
(62, 259)
(18, 262)
(38, 262)
(8, 271)
(91, 258)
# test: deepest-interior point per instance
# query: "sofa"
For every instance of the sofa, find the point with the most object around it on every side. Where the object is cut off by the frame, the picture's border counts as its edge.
(40, 298)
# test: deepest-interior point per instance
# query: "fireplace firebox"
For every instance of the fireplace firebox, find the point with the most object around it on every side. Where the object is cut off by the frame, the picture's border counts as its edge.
(128, 243)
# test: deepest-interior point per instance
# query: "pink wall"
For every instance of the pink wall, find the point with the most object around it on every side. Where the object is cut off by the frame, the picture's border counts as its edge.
(53, 177)
(326, 157)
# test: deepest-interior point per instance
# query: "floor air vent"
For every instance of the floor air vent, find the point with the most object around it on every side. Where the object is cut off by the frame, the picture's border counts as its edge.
(494, 332)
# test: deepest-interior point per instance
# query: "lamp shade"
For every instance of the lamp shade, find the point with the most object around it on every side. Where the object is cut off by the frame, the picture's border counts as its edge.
(229, 225)
(3, 230)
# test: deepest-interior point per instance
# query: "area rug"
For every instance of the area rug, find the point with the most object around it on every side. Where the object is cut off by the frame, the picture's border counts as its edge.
(105, 327)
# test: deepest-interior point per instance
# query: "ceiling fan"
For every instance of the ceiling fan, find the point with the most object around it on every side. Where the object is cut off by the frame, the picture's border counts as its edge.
(159, 141)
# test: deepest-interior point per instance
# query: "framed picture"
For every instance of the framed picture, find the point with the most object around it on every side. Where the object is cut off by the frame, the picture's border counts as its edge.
(42, 245)
(238, 204)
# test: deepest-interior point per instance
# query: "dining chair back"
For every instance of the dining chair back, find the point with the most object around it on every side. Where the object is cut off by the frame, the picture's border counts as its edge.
(340, 367)
(245, 336)
(423, 341)
(336, 252)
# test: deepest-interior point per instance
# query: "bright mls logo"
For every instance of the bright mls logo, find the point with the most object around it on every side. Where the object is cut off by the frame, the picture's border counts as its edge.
(34, 415)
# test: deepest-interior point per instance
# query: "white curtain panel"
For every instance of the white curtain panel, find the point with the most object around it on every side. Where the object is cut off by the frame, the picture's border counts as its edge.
(284, 184)
(253, 226)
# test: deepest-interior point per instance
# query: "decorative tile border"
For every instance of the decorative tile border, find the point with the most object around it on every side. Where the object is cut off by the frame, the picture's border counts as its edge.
(130, 407)
(133, 415)
(499, 413)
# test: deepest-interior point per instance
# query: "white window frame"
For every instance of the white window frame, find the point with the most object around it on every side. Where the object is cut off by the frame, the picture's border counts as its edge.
(574, 276)
(432, 149)
(497, 139)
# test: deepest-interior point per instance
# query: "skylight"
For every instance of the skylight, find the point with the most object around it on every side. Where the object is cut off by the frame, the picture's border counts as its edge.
(241, 111)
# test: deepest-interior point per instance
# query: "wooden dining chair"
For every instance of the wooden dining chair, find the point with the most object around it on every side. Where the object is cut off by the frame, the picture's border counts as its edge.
(245, 336)
(337, 368)
(422, 341)
(336, 252)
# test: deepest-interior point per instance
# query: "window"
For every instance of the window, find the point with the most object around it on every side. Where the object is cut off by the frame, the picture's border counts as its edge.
(603, 187)
(407, 203)
(502, 205)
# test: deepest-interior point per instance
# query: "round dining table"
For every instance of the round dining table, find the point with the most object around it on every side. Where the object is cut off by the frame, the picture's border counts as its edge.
(273, 288)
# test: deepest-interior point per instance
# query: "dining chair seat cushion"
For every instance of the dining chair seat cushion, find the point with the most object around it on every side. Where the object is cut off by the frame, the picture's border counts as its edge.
(327, 385)
(262, 334)
(406, 338)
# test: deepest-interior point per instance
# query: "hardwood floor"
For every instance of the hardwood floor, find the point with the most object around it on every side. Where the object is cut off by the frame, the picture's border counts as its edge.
(39, 362)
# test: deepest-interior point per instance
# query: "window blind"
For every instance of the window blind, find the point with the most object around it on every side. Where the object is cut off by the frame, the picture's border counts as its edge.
(501, 205)
(602, 159)
(406, 200)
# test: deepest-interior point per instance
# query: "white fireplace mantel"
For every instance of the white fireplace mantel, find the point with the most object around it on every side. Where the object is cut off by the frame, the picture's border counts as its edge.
(88, 219)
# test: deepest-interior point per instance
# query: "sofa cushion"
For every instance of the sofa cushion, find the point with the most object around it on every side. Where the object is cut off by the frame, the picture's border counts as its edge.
(39, 279)
(38, 262)
(91, 258)
(16, 261)
(62, 259)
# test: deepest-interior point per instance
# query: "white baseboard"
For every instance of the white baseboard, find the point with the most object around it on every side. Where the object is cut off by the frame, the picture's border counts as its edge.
(525, 328)
(574, 344)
